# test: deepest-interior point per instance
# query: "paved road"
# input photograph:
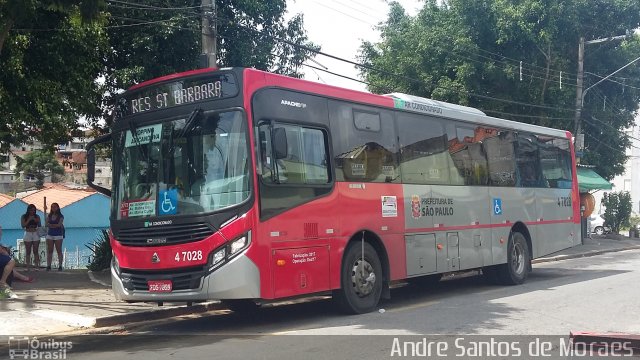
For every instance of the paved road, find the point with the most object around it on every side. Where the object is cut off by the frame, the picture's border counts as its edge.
(588, 294)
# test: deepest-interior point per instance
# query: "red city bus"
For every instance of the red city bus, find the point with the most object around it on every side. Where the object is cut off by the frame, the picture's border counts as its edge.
(246, 186)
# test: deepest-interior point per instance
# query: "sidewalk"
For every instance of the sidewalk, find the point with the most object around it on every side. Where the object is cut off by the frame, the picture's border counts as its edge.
(74, 300)
(77, 300)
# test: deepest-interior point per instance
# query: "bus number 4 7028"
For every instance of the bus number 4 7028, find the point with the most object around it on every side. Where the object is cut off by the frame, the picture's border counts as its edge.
(189, 256)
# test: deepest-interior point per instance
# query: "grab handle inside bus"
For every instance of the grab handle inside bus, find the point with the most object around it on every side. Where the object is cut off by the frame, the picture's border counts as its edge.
(91, 163)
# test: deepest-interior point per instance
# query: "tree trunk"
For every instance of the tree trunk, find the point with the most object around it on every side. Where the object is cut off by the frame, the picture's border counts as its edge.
(546, 75)
(5, 32)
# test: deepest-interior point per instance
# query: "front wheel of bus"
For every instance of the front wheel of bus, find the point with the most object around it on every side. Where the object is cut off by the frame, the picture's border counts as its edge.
(360, 279)
(516, 270)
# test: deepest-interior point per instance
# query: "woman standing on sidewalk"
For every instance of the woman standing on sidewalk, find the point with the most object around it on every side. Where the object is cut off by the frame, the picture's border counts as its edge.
(31, 222)
(55, 235)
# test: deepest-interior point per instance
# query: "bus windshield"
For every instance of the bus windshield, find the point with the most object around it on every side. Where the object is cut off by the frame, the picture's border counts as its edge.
(190, 165)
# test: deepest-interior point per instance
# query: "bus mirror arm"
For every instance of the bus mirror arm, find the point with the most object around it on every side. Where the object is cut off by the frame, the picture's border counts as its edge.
(91, 164)
(280, 143)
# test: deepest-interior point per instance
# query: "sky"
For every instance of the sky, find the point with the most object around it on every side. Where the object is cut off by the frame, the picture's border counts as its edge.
(339, 27)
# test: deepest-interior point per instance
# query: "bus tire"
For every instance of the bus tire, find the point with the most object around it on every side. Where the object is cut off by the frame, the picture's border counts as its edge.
(360, 280)
(516, 270)
(241, 306)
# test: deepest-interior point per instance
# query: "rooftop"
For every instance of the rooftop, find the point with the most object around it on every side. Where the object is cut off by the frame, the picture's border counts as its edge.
(60, 194)
(5, 199)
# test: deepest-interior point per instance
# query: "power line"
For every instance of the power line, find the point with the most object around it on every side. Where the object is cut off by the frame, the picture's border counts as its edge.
(343, 13)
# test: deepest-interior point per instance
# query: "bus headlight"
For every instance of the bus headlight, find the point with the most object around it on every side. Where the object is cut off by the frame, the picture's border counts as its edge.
(228, 251)
(219, 256)
(237, 245)
(115, 263)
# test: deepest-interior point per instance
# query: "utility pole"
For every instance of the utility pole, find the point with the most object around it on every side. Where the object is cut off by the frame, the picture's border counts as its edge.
(576, 124)
(579, 95)
(209, 34)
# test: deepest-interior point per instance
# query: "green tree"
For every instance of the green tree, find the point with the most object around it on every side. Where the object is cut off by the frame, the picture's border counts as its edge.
(37, 163)
(58, 68)
(50, 60)
(617, 210)
(469, 52)
(152, 38)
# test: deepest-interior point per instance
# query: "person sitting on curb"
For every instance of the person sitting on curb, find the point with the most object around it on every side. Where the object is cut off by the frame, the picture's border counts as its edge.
(6, 264)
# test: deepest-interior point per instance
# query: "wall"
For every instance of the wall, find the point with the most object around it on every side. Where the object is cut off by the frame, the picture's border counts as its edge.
(84, 219)
(10, 221)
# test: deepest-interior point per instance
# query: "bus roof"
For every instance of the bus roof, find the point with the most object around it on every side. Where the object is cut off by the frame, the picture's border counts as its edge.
(399, 101)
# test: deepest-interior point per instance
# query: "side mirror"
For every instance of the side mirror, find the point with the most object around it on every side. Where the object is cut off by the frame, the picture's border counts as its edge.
(91, 163)
(280, 145)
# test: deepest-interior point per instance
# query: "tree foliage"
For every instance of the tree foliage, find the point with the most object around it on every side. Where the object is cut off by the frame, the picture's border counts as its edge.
(469, 52)
(152, 38)
(618, 210)
(58, 67)
(50, 58)
(38, 163)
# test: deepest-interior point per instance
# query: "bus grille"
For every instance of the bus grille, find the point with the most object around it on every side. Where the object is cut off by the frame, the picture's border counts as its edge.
(164, 235)
(182, 279)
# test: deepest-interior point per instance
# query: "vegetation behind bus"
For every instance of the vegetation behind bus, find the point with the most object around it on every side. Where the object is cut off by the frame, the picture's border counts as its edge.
(617, 210)
(460, 48)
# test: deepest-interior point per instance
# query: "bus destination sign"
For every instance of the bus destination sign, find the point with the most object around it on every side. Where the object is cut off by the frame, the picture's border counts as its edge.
(177, 93)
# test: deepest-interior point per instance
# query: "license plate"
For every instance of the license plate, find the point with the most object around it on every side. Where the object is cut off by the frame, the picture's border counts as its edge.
(160, 285)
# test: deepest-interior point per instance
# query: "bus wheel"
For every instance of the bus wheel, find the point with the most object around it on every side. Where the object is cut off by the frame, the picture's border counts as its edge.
(516, 270)
(241, 306)
(361, 280)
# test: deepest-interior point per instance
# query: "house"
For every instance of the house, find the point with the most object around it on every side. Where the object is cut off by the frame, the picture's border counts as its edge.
(11, 209)
(86, 213)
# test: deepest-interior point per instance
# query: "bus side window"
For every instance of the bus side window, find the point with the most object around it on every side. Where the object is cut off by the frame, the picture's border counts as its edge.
(501, 159)
(364, 143)
(424, 155)
(555, 160)
(468, 155)
(528, 162)
(302, 155)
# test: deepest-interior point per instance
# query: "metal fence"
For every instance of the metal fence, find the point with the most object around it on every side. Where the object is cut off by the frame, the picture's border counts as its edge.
(72, 259)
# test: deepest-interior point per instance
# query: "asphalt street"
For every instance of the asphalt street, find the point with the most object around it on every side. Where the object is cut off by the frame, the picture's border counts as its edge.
(596, 294)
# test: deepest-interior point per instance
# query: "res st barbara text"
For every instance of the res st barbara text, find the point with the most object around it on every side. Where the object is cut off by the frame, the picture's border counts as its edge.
(210, 90)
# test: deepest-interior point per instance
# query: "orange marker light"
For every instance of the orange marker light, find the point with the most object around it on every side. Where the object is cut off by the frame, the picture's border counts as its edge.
(501, 240)
(439, 246)
(280, 262)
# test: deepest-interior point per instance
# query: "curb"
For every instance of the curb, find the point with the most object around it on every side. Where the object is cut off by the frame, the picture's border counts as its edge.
(156, 314)
(580, 255)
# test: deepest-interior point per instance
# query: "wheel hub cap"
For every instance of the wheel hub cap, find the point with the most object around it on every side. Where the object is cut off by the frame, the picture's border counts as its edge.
(363, 278)
(517, 258)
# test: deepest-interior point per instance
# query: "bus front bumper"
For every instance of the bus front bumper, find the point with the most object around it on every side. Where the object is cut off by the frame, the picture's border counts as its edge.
(237, 279)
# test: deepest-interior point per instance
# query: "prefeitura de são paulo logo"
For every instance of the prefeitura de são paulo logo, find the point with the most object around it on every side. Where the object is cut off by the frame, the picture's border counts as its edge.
(34, 348)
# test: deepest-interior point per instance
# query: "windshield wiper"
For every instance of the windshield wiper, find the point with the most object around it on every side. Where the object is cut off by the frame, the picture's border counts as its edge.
(188, 125)
(195, 114)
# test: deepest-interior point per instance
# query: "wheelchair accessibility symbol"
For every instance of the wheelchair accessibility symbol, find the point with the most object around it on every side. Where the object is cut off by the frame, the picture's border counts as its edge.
(497, 206)
(168, 204)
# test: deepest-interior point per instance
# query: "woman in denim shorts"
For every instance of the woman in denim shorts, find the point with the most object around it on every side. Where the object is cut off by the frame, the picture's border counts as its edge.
(31, 222)
(55, 234)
